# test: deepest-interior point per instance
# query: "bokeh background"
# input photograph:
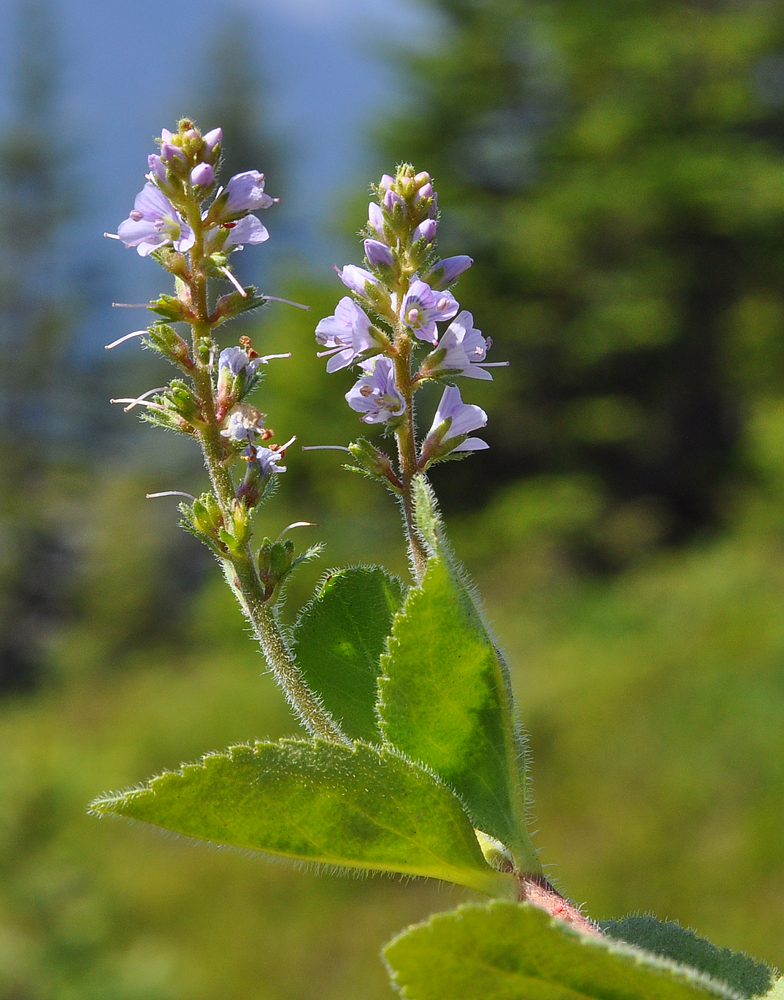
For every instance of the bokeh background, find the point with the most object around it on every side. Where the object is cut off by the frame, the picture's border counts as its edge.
(616, 169)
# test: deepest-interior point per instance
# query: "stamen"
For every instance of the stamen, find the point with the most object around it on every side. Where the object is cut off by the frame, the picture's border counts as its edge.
(282, 447)
(128, 336)
(296, 524)
(234, 282)
(494, 364)
(141, 401)
(325, 447)
(169, 493)
(130, 305)
(271, 357)
(111, 236)
(288, 302)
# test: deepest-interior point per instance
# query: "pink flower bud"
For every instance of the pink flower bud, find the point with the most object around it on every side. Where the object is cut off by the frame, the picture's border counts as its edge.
(212, 139)
(378, 254)
(202, 176)
(425, 231)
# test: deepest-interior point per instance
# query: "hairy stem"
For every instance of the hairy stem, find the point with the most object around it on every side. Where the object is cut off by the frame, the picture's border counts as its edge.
(239, 568)
(406, 447)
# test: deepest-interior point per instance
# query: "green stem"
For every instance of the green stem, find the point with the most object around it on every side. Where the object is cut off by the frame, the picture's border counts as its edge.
(239, 568)
(406, 448)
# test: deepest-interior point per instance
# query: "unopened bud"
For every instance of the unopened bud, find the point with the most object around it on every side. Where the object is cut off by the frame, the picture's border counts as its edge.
(445, 271)
(378, 254)
(212, 141)
(425, 231)
(202, 176)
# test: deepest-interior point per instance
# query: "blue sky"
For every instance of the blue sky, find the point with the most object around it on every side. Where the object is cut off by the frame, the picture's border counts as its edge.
(129, 67)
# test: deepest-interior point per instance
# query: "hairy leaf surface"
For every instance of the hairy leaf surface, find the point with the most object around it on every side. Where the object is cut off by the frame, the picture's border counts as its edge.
(340, 637)
(669, 940)
(445, 700)
(515, 951)
(358, 807)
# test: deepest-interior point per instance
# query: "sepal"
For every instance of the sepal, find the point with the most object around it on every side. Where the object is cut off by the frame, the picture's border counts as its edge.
(163, 339)
(234, 304)
(172, 308)
(373, 463)
(172, 260)
(276, 561)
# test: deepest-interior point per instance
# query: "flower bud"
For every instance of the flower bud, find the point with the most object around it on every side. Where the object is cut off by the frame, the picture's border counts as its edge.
(378, 254)
(202, 176)
(391, 200)
(425, 231)
(376, 219)
(423, 180)
(212, 141)
(170, 153)
(386, 183)
(445, 271)
(157, 167)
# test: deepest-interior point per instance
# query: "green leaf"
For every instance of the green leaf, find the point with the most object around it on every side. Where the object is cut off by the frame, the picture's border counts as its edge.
(515, 951)
(445, 699)
(669, 940)
(340, 637)
(359, 807)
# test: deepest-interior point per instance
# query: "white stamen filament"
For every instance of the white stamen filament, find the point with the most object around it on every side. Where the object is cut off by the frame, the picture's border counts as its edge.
(287, 302)
(169, 493)
(128, 336)
(271, 357)
(142, 400)
(325, 447)
(130, 305)
(111, 236)
(296, 524)
(234, 282)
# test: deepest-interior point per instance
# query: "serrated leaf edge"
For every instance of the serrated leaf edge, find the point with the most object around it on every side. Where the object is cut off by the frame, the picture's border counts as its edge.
(495, 883)
(641, 957)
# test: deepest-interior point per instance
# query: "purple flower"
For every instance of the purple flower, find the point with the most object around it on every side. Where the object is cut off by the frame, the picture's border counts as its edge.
(265, 458)
(236, 360)
(375, 395)
(378, 254)
(154, 222)
(453, 419)
(376, 218)
(157, 167)
(465, 349)
(244, 193)
(244, 423)
(391, 198)
(357, 278)
(425, 231)
(212, 139)
(170, 152)
(249, 230)
(445, 271)
(422, 309)
(203, 175)
(346, 335)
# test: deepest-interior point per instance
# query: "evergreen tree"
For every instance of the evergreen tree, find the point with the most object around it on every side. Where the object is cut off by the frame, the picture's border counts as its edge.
(619, 175)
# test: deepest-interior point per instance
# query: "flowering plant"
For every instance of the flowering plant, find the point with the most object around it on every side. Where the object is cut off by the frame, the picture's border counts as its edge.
(415, 762)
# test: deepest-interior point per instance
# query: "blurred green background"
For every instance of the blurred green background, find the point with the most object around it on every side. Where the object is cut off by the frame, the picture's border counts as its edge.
(617, 172)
